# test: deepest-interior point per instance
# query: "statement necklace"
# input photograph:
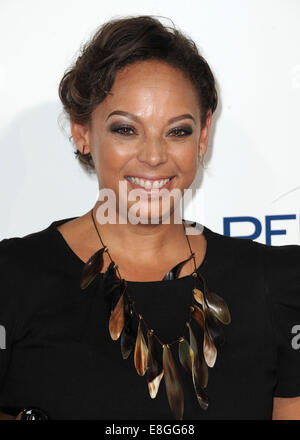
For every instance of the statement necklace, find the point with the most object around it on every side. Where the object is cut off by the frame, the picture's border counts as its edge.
(208, 310)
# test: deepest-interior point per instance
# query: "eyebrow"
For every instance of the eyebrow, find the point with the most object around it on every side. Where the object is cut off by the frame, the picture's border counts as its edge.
(136, 118)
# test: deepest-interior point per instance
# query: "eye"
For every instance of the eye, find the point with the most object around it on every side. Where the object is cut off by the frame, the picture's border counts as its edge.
(123, 130)
(181, 132)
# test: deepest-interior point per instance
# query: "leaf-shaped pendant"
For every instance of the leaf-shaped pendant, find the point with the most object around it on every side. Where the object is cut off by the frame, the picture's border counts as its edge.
(128, 336)
(198, 295)
(140, 352)
(213, 328)
(209, 349)
(111, 297)
(155, 370)
(185, 354)
(91, 268)
(212, 323)
(198, 315)
(117, 318)
(110, 275)
(111, 287)
(173, 383)
(216, 304)
(199, 372)
(175, 271)
(218, 307)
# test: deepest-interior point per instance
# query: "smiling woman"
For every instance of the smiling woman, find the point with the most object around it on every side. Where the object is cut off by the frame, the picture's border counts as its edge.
(100, 301)
(151, 146)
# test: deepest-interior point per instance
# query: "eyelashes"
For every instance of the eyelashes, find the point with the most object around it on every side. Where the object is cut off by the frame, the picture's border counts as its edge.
(187, 131)
(122, 129)
(126, 130)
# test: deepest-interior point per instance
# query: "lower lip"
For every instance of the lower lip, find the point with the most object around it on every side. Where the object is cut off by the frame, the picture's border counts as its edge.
(151, 190)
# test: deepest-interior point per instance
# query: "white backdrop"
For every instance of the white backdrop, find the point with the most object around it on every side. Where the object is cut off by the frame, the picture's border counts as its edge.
(252, 166)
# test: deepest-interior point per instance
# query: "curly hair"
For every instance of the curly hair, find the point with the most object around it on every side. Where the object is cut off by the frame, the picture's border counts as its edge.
(124, 41)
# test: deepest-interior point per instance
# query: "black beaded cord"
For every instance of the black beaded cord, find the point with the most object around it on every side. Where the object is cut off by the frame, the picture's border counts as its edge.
(139, 316)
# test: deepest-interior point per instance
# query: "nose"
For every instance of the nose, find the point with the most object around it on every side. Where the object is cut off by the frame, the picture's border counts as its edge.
(152, 152)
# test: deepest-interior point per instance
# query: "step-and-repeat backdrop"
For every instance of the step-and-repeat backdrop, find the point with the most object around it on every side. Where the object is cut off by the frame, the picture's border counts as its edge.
(250, 185)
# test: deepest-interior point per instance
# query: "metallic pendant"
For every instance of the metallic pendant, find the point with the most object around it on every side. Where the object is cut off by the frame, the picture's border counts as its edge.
(208, 311)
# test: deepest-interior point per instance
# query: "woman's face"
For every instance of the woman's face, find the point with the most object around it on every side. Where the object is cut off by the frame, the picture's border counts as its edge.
(134, 134)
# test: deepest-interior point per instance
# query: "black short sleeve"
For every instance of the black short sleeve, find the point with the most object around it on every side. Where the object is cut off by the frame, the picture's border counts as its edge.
(282, 265)
(8, 303)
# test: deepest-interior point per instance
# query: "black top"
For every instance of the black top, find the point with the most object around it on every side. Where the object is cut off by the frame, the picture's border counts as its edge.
(59, 355)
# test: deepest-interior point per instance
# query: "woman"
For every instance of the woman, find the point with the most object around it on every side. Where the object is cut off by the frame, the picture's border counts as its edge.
(89, 306)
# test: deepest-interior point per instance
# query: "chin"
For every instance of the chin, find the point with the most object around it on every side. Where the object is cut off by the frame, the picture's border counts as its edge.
(154, 213)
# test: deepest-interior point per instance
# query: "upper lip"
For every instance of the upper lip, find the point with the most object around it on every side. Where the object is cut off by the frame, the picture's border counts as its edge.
(149, 177)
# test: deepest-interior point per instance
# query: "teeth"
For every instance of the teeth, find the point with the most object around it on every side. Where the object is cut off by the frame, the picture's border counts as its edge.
(148, 184)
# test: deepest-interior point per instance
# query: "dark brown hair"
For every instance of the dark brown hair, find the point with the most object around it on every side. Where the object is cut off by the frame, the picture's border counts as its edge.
(120, 42)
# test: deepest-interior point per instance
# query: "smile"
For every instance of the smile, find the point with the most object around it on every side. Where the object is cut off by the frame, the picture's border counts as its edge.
(149, 184)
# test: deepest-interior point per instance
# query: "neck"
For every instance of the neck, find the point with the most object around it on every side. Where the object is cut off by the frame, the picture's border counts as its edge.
(143, 239)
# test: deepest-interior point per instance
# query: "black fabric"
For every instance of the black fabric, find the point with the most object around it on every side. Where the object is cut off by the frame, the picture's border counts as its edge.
(59, 355)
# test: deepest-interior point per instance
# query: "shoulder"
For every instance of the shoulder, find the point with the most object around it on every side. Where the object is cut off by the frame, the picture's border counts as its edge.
(21, 253)
(31, 277)
(282, 274)
(29, 263)
(275, 271)
(34, 249)
(18, 273)
(233, 250)
(22, 263)
(279, 263)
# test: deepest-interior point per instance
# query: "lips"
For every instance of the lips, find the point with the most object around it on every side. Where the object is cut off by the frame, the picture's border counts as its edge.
(150, 184)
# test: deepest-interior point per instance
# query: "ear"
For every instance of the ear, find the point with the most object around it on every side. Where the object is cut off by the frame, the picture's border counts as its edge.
(204, 134)
(80, 135)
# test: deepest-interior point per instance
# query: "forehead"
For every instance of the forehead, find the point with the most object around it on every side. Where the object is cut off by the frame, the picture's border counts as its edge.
(150, 71)
(151, 84)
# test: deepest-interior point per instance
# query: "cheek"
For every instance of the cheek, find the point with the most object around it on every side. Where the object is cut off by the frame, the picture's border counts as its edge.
(186, 159)
(110, 156)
